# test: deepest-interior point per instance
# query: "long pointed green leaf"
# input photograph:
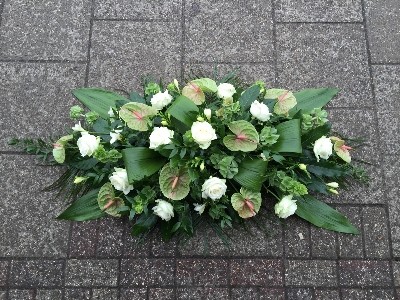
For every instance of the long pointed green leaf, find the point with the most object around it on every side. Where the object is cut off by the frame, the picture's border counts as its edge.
(289, 137)
(251, 174)
(308, 99)
(248, 97)
(183, 110)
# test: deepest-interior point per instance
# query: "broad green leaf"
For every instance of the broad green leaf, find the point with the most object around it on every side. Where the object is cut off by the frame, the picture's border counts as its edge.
(341, 149)
(314, 134)
(308, 99)
(108, 202)
(141, 162)
(137, 115)
(193, 92)
(245, 137)
(228, 167)
(85, 164)
(206, 84)
(327, 169)
(183, 110)
(85, 208)
(248, 97)
(98, 100)
(136, 97)
(59, 148)
(289, 137)
(324, 216)
(174, 183)
(251, 173)
(144, 223)
(246, 203)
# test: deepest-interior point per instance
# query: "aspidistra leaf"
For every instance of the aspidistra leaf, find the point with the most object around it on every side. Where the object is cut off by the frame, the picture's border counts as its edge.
(251, 174)
(245, 137)
(137, 115)
(289, 137)
(184, 111)
(174, 183)
(308, 99)
(248, 97)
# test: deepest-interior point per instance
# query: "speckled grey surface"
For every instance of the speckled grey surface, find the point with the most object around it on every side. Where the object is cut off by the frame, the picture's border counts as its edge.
(47, 48)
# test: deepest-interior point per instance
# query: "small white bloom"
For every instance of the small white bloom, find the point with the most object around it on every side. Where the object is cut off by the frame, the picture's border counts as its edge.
(115, 136)
(213, 188)
(199, 207)
(323, 148)
(88, 144)
(119, 179)
(334, 185)
(160, 100)
(207, 113)
(286, 207)
(333, 191)
(164, 210)
(160, 136)
(303, 167)
(79, 179)
(78, 127)
(260, 111)
(176, 83)
(262, 155)
(225, 90)
(111, 113)
(202, 166)
(203, 134)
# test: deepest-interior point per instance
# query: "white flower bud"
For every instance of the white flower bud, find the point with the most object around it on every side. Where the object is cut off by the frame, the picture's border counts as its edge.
(225, 90)
(334, 185)
(88, 144)
(160, 136)
(260, 111)
(286, 207)
(164, 210)
(323, 148)
(207, 113)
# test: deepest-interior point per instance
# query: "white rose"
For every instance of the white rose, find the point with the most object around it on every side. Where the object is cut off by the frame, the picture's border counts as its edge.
(88, 144)
(213, 188)
(203, 134)
(225, 90)
(119, 179)
(260, 111)
(78, 127)
(199, 207)
(323, 148)
(115, 136)
(160, 100)
(286, 207)
(160, 136)
(207, 113)
(164, 210)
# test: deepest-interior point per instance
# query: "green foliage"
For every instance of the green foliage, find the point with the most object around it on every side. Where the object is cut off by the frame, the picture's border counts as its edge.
(142, 199)
(289, 137)
(108, 202)
(105, 156)
(174, 182)
(43, 149)
(249, 96)
(251, 174)
(91, 117)
(289, 185)
(246, 203)
(308, 99)
(184, 112)
(245, 137)
(206, 85)
(226, 165)
(144, 223)
(75, 112)
(268, 136)
(151, 89)
(138, 116)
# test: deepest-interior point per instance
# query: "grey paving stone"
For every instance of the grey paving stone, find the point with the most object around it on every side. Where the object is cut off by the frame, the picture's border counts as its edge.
(21, 295)
(204, 272)
(36, 273)
(4, 266)
(234, 31)
(245, 293)
(47, 30)
(326, 294)
(162, 294)
(204, 293)
(38, 99)
(325, 55)
(104, 294)
(272, 294)
(364, 273)
(28, 227)
(351, 246)
(133, 294)
(49, 295)
(396, 273)
(311, 272)
(160, 248)
(134, 246)
(74, 294)
(123, 52)
(85, 273)
(368, 294)
(323, 243)
(146, 272)
(138, 9)
(110, 242)
(256, 272)
(83, 239)
(300, 294)
(387, 89)
(376, 235)
(383, 24)
(297, 238)
(3, 295)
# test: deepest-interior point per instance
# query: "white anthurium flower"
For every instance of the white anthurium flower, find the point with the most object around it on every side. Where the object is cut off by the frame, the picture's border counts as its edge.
(160, 136)
(207, 113)
(161, 100)
(78, 127)
(164, 210)
(260, 111)
(203, 134)
(286, 207)
(214, 188)
(225, 90)
(88, 144)
(199, 207)
(119, 179)
(115, 136)
(323, 148)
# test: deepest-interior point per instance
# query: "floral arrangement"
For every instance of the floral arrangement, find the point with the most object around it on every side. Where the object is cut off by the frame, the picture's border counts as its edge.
(209, 150)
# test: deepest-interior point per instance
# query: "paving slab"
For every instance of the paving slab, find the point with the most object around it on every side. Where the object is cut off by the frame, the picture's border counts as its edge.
(206, 293)
(38, 98)
(49, 295)
(36, 273)
(314, 273)
(368, 294)
(318, 11)
(122, 53)
(201, 272)
(229, 31)
(326, 294)
(48, 29)
(256, 272)
(351, 246)
(297, 238)
(325, 55)
(383, 24)
(4, 267)
(133, 294)
(367, 273)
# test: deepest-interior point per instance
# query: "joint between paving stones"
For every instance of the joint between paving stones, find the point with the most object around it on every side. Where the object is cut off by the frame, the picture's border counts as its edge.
(89, 45)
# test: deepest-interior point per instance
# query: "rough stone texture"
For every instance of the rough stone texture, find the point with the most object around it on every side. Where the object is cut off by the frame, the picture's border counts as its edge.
(312, 272)
(36, 273)
(368, 294)
(300, 294)
(245, 293)
(110, 243)
(123, 52)
(323, 243)
(49, 295)
(209, 29)
(73, 294)
(318, 11)
(138, 9)
(4, 265)
(162, 294)
(104, 294)
(202, 293)
(351, 246)
(272, 294)
(297, 238)
(326, 294)
(56, 29)
(27, 225)
(396, 272)
(201, 272)
(383, 24)
(364, 273)
(325, 55)
(21, 294)
(259, 272)
(83, 239)
(133, 294)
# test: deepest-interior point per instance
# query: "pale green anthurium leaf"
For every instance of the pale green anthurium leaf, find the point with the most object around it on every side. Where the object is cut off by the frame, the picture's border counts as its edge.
(341, 149)
(194, 93)
(246, 203)
(137, 115)
(285, 100)
(174, 183)
(107, 200)
(245, 137)
(59, 148)
(206, 84)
